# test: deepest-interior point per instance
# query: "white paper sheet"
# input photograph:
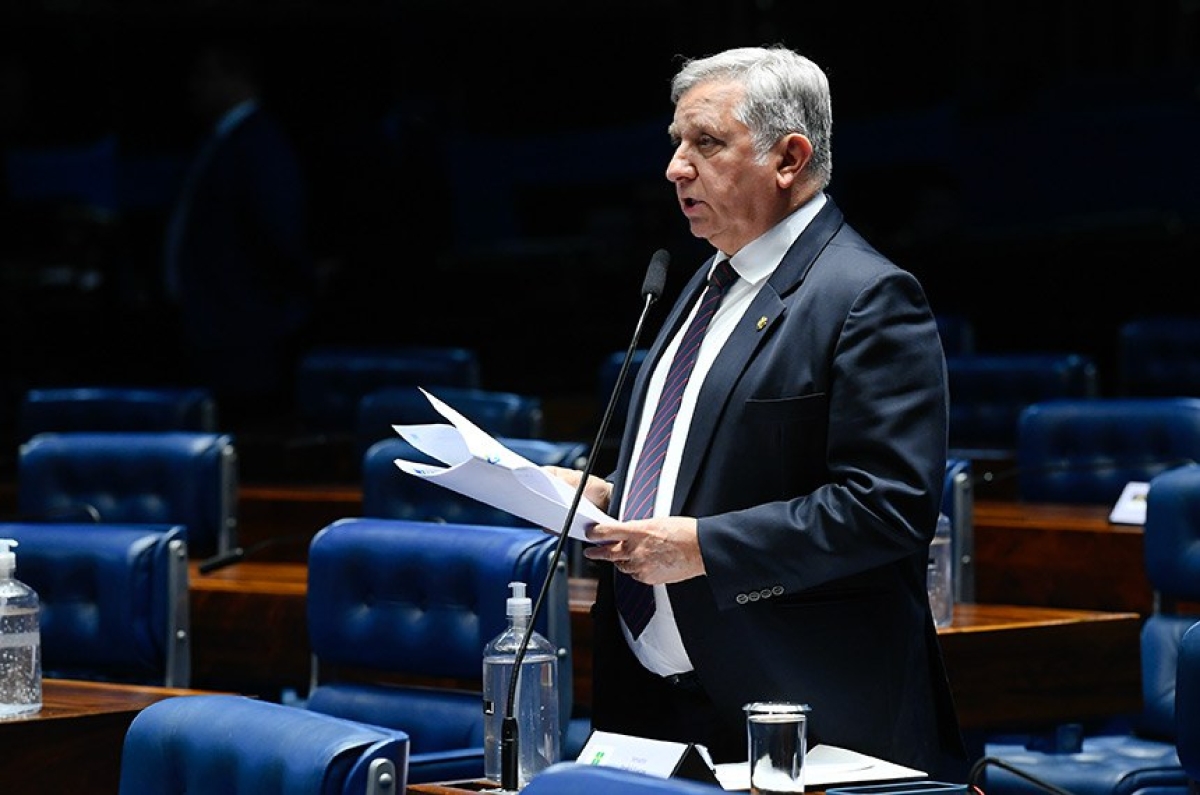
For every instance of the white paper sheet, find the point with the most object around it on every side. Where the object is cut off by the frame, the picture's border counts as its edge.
(479, 467)
(825, 765)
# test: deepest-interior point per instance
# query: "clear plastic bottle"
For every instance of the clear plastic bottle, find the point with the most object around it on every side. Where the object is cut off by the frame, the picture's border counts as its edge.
(20, 640)
(536, 704)
(940, 575)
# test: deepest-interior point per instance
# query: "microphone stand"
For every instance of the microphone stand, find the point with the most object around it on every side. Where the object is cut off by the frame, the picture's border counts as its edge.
(509, 741)
(237, 554)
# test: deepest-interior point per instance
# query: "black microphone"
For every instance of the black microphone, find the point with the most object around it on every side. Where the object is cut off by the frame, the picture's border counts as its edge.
(652, 287)
(237, 554)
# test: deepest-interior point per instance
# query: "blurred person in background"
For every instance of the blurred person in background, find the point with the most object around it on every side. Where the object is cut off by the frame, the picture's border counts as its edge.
(238, 266)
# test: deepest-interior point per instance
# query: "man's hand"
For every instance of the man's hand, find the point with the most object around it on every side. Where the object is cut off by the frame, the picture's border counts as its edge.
(598, 491)
(654, 551)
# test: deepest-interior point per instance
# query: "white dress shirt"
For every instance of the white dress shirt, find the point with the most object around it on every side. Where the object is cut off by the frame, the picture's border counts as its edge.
(660, 647)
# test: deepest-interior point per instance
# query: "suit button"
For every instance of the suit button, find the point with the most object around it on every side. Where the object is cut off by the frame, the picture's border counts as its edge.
(766, 593)
(777, 590)
(754, 596)
(741, 599)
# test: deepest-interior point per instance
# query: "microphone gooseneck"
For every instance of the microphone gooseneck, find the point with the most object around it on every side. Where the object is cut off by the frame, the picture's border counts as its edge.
(237, 554)
(652, 288)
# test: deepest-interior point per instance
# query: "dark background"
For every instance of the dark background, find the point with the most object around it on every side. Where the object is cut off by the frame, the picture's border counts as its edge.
(491, 175)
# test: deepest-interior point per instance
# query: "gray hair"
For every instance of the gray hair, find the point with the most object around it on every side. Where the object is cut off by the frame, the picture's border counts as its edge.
(784, 93)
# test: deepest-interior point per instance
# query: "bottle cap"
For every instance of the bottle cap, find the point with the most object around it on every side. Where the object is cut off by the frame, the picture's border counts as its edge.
(8, 560)
(519, 604)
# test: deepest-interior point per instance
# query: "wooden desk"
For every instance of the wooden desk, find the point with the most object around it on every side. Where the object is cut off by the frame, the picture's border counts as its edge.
(74, 743)
(291, 515)
(1058, 556)
(1008, 664)
(249, 629)
(451, 787)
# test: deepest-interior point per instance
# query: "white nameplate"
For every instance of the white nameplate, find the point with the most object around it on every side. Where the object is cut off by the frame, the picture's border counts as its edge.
(652, 757)
(1131, 505)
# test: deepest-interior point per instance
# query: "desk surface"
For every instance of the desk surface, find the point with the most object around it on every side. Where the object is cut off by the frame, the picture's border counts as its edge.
(74, 744)
(1008, 664)
(1025, 553)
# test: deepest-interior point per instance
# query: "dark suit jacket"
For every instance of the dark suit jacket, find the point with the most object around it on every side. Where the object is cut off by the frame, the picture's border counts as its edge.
(814, 465)
(245, 271)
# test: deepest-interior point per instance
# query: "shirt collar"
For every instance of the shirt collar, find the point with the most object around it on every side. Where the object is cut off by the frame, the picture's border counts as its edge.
(759, 258)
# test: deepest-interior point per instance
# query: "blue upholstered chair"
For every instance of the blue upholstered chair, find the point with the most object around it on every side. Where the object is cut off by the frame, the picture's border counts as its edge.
(497, 413)
(398, 615)
(1159, 356)
(989, 391)
(1086, 451)
(390, 493)
(114, 603)
(606, 380)
(116, 408)
(170, 477)
(233, 745)
(1129, 754)
(1187, 704)
(331, 381)
(572, 778)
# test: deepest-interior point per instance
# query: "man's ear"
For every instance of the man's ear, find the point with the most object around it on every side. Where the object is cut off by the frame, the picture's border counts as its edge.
(795, 150)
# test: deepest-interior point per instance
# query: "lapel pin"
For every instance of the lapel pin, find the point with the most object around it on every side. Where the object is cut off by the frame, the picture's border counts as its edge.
(762, 323)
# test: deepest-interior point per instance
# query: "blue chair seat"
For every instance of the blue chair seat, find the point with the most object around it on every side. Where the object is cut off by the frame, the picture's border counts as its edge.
(1128, 754)
(1104, 765)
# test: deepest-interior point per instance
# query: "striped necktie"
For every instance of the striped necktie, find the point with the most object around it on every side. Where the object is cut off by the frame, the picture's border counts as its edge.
(635, 600)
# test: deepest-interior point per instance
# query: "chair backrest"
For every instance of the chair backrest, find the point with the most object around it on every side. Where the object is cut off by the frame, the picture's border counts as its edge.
(114, 600)
(1085, 451)
(989, 391)
(407, 608)
(606, 379)
(234, 745)
(116, 408)
(497, 413)
(958, 503)
(576, 778)
(1187, 703)
(169, 477)
(1171, 556)
(331, 381)
(1159, 356)
(390, 493)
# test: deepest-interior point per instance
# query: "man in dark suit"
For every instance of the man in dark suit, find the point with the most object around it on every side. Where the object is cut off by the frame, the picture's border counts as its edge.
(801, 473)
(238, 265)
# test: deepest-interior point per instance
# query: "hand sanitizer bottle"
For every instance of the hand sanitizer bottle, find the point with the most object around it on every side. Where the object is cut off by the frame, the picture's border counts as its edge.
(20, 640)
(536, 705)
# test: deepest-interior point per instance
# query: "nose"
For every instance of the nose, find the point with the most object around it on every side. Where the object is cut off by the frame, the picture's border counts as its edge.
(679, 167)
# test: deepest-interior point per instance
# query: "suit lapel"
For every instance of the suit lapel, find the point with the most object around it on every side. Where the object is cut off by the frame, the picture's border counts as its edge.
(754, 328)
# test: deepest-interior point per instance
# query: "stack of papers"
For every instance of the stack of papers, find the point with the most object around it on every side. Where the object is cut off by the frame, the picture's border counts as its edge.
(825, 765)
(478, 466)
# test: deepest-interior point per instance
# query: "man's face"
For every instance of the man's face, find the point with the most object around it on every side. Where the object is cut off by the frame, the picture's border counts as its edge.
(728, 196)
